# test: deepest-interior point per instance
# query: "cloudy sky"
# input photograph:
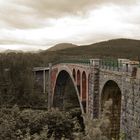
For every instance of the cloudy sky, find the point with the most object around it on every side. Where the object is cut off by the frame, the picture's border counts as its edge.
(40, 24)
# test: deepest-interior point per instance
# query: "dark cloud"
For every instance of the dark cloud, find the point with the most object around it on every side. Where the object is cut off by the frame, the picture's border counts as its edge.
(57, 8)
(18, 16)
(32, 13)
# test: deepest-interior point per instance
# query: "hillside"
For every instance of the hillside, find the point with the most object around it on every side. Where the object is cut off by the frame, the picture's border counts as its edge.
(62, 46)
(124, 48)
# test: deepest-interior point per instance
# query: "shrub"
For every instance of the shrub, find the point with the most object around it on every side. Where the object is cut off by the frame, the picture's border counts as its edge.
(36, 124)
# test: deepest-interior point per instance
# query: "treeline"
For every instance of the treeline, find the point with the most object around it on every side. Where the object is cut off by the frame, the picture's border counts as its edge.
(17, 81)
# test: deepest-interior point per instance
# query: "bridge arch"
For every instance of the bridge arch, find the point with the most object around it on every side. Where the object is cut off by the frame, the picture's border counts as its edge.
(74, 74)
(79, 82)
(111, 90)
(84, 85)
(84, 90)
(65, 81)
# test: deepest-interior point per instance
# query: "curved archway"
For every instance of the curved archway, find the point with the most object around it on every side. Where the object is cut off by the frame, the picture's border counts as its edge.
(112, 91)
(78, 81)
(74, 74)
(65, 95)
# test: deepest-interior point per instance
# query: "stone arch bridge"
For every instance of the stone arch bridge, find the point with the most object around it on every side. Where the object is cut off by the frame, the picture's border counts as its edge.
(95, 82)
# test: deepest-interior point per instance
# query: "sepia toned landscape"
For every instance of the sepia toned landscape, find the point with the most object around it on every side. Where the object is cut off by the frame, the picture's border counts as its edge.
(69, 70)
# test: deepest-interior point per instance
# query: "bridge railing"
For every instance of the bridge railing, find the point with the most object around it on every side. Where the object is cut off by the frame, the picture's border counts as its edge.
(121, 65)
(110, 64)
(72, 61)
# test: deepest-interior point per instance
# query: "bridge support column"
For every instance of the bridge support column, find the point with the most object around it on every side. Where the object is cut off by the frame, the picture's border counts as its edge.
(87, 92)
(94, 88)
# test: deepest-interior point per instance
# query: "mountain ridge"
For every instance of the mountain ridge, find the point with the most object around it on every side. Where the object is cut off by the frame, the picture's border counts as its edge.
(121, 47)
(118, 48)
(62, 46)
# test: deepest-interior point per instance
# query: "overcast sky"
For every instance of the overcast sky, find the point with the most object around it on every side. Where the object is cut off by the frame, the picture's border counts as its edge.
(40, 24)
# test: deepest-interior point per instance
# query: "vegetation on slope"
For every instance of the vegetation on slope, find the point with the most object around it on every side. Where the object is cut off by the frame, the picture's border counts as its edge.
(124, 48)
(17, 81)
(28, 124)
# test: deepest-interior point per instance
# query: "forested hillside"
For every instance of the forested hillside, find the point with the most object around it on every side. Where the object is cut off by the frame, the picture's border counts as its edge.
(126, 48)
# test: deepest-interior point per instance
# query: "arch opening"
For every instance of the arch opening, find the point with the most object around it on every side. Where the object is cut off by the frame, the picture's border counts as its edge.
(65, 96)
(78, 81)
(112, 91)
(74, 74)
(84, 89)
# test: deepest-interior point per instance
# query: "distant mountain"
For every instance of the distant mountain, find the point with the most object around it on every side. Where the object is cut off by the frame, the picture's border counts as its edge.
(117, 43)
(12, 51)
(113, 48)
(62, 46)
(117, 48)
(20, 51)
